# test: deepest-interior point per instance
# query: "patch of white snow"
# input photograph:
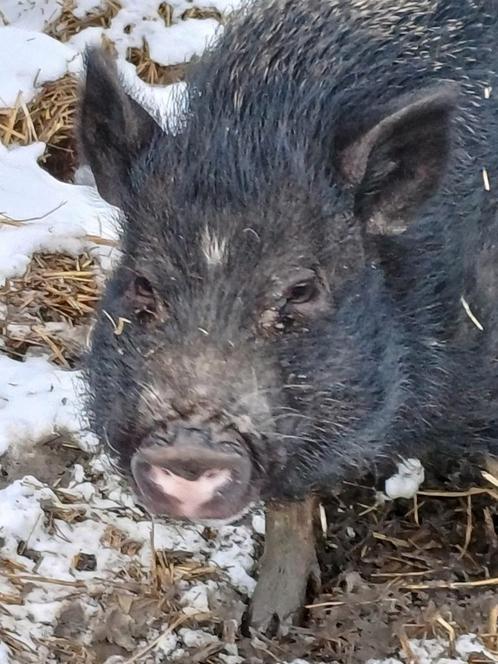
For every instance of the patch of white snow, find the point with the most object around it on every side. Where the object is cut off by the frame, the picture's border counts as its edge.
(28, 59)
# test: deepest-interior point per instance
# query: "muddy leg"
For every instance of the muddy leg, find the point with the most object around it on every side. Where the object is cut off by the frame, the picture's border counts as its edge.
(287, 567)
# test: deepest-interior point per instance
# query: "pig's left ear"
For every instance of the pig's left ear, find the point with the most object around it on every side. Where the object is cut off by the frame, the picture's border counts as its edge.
(113, 128)
(399, 161)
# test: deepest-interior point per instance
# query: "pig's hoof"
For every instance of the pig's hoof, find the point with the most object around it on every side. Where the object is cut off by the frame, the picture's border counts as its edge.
(283, 587)
(289, 569)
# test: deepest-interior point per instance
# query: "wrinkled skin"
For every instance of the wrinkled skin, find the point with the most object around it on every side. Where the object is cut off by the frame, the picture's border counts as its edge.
(295, 255)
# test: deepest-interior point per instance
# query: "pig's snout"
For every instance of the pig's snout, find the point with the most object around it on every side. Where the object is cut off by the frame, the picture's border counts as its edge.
(194, 472)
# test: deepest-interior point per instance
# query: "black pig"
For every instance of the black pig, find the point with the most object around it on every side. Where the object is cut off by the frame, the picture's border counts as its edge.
(308, 260)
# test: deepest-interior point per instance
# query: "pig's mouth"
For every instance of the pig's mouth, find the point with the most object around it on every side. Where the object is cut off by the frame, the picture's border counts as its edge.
(187, 483)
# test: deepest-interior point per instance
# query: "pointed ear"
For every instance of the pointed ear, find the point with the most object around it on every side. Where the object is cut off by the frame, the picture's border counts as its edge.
(399, 161)
(113, 127)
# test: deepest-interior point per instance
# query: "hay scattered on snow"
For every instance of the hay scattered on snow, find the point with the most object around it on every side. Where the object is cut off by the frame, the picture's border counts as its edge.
(67, 24)
(49, 117)
(136, 601)
(152, 72)
(51, 305)
(203, 13)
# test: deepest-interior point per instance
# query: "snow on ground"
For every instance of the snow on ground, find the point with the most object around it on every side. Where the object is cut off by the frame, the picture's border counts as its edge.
(406, 482)
(28, 60)
(37, 399)
(139, 21)
(104, 511)
(52, 215)
(29, 14)
(47, 530)
(185, 39)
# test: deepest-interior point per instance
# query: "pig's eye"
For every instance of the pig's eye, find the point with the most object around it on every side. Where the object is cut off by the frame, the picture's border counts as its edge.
(303, 292)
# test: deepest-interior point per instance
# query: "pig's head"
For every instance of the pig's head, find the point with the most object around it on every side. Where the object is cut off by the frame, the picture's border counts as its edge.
(242, 348)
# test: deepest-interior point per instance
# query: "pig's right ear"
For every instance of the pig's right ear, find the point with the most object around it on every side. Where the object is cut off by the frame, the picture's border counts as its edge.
(113, 127)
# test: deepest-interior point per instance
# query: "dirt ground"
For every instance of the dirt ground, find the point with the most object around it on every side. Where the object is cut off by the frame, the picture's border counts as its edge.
(409, 569)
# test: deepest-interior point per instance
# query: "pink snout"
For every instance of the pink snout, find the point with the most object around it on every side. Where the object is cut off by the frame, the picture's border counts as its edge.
(194, 477)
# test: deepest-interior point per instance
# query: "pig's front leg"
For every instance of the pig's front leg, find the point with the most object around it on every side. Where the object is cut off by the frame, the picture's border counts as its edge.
(287, 568)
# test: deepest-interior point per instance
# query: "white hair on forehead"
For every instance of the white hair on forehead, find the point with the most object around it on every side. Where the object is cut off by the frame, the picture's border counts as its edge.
(214, 248)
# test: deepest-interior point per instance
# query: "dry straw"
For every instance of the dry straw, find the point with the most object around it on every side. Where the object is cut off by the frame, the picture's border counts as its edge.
(43, 307)
(67, 24)
(49, 118)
